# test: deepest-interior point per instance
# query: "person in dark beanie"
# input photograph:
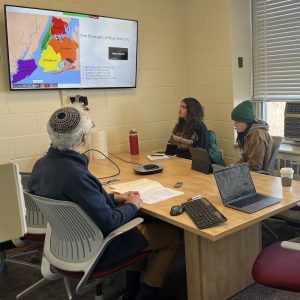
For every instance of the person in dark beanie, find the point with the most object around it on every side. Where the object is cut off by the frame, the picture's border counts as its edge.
(63, 174)
(253, 137)
(190, 130)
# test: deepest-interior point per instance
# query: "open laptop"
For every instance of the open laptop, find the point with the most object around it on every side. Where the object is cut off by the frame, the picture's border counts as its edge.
(201, 161)
(238, 191)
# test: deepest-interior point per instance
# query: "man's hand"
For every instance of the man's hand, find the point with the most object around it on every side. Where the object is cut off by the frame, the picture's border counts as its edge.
(129, 197)
(134, 198)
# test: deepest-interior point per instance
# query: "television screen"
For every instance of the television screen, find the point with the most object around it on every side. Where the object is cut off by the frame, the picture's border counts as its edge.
(64, 50)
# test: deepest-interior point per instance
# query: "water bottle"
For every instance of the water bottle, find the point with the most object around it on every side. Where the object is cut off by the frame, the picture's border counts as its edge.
(133, 142)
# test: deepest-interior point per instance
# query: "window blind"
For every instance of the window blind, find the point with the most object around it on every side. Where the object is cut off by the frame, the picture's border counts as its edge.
(276, 50)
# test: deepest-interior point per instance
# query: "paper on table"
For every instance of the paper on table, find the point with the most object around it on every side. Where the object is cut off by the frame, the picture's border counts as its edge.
(151, 191)
(156, 195)
(140, 185)
(157, 157)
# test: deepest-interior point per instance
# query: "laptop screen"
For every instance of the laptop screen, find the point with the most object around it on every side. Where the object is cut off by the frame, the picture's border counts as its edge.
(234, 182)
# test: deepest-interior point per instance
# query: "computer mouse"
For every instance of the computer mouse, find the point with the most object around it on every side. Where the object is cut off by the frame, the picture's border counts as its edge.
(176, 210)
(151, 167)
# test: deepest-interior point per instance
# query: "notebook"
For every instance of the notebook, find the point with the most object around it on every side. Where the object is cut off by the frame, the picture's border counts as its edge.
(238, 191)
(201, 161)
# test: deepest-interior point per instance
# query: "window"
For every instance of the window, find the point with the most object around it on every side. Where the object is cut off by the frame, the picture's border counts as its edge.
(276, 57)
(274, 116)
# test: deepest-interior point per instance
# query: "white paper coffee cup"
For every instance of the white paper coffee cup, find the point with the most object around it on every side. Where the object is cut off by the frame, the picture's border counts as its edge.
(286, 175)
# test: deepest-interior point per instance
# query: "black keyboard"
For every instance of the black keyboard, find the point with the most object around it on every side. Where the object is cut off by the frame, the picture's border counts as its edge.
(247, 201)
(203, 213)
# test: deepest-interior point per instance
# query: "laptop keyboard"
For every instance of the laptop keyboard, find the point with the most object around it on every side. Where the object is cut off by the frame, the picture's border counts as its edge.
(248, 201)
(203, 213)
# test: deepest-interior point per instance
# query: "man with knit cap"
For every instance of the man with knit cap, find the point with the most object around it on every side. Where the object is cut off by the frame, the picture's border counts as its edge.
(253, 137)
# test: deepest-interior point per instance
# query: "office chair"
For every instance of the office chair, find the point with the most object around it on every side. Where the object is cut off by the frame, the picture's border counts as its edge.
(277, 140)
(36, 229)
(25, 176)
(36, 226)
(74, 244)
(278, 266)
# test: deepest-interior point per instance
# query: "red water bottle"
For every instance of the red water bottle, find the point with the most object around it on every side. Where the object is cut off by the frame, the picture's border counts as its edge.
(133, 142)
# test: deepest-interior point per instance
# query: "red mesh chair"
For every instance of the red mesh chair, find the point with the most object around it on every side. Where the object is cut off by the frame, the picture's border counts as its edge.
(74, 244)
(278, 266)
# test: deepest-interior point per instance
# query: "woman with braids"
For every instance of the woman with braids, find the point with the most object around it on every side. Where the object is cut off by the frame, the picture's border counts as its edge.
(190, 131)
(253, 137)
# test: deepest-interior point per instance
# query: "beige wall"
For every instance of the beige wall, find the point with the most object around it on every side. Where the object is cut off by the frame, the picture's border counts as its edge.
(185, 49)
(211, 52)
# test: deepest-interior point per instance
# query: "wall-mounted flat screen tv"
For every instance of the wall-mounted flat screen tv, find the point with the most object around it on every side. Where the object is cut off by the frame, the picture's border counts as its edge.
(50, 49)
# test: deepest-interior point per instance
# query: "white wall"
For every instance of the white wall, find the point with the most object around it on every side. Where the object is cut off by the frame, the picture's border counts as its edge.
(212, 45)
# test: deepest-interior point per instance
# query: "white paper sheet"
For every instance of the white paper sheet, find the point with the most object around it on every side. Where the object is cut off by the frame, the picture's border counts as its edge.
(151, 191)
(155, 157)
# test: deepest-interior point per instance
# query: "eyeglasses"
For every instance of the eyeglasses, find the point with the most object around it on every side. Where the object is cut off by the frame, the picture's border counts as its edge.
(93, 124)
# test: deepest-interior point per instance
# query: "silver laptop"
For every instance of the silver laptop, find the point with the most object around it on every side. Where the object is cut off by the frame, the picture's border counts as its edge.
(238, 191)
(201, 161)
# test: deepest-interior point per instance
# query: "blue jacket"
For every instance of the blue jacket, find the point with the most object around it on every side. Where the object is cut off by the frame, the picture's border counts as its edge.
(64, 175)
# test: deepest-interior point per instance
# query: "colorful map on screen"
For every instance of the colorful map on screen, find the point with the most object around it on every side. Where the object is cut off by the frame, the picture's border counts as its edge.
(47, 48)
(50, 49)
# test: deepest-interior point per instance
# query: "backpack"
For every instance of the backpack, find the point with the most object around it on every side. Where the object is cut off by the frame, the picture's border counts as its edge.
(214, 153)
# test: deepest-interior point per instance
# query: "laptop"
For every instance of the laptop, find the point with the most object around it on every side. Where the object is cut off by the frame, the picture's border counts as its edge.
(238, 191)
(201, 161)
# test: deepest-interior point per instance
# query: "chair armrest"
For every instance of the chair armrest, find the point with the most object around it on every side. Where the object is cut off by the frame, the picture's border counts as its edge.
(46, 270)
(120, 230)
(133, 223)
(19, 243)
(126, 227)
(262, 172)
(290, 245)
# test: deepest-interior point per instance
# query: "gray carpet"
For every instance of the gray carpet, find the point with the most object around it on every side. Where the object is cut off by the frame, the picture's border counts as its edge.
(16, 279)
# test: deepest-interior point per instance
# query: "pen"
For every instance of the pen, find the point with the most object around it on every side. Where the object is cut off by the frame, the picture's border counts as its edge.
(195, 197)
(157, 154)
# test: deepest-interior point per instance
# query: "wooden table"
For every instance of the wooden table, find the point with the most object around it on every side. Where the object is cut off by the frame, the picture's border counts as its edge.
(218, 260)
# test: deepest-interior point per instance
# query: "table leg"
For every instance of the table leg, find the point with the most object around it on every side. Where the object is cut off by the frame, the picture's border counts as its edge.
(219, 269)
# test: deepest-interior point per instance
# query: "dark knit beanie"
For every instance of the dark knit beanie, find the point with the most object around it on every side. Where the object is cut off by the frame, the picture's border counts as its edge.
(64, 120)
(243, 112)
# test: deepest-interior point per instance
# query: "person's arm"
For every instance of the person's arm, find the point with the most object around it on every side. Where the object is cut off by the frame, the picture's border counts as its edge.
(202, 134)
(256, 150)
(94, 200)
